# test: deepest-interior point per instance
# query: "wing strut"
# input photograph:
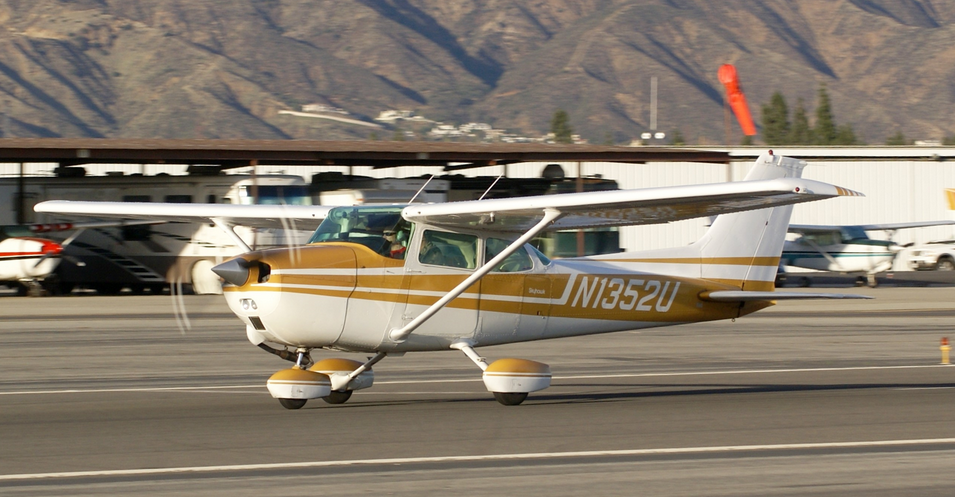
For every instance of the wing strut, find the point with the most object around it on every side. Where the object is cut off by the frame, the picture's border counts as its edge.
(400, 334)
(230, 230)
(825, 254)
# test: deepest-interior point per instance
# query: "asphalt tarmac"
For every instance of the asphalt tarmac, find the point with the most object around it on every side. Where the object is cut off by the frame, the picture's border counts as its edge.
(123, 395)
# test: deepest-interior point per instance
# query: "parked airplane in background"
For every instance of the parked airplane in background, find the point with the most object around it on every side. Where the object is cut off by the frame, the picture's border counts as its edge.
(456, 276)
(26, 260)
(845, 249)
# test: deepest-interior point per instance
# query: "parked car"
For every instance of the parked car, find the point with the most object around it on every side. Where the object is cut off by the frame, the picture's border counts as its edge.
(938, 255)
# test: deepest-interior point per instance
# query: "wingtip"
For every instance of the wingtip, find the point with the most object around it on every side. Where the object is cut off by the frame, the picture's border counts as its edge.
(845, 192)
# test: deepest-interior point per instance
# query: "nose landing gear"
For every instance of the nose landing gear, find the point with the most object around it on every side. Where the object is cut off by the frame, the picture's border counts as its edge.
(332, 380)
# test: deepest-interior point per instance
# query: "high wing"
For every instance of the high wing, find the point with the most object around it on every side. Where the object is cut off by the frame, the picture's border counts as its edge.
(624, 207)
(305, 217)
(577, 210)
(821, 228)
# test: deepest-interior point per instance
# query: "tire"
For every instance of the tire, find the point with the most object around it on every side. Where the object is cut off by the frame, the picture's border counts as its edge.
(510, 399)
(945, 264)
(292, 403)
(337, 397)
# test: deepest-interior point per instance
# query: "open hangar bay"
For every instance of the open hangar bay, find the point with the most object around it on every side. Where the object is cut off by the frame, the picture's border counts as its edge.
(901, 184)
(111, 397)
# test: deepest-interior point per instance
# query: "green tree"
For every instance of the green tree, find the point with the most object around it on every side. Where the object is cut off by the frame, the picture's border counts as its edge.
(846, 136)
(608, 139)
(825, 130)
(676, 138)
(746, 141)
(775, 117)
(801, 133)
(948, 140)
(398, 135)
(560, 127)
(898, 139)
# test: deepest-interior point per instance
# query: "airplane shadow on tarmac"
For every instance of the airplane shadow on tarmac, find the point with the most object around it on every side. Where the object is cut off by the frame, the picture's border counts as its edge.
(671, 390)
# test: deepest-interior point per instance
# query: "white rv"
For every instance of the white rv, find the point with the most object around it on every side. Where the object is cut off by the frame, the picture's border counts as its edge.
(150, 257)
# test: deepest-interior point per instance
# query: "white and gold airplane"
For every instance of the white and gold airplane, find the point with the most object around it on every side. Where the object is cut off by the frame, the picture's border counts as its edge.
(457, 276)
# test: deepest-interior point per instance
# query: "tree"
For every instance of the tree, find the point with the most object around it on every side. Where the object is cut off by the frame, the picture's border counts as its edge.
(898, 139)
(846, 136)
(801, 133)
(746, 141)
(560, 127)
(398, 136)
(775, 117)
(676, 138)
(825, 130)
(948, 140)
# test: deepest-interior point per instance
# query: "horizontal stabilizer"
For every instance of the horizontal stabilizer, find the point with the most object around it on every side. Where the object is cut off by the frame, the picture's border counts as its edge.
(743, 296)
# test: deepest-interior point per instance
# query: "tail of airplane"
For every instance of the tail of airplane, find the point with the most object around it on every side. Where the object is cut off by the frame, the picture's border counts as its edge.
(743, 248)
(740, 249)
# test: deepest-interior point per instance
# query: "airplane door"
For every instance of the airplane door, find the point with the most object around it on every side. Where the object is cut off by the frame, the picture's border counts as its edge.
(510, 295)
(437, 261)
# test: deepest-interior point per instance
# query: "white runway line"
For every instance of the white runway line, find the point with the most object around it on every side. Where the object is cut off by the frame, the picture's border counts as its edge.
(476, 379)
(477, 458)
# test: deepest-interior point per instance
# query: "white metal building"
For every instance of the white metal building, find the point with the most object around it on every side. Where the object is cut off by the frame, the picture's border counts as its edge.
(901, 184)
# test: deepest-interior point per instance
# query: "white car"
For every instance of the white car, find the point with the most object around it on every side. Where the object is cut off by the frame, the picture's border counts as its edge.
(938, 255)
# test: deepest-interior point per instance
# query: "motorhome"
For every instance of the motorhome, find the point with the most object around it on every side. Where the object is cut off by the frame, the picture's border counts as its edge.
(150, 257)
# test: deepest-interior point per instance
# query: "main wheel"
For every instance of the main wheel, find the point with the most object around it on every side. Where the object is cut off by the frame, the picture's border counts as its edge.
(337, 397)
(510, 399)
(292, 403)
(945, 264)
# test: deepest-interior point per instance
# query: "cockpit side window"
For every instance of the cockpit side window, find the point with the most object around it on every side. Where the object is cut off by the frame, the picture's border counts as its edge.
(439, 248)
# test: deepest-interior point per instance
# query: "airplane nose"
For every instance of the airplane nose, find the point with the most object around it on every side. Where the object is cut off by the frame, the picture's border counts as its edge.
(235, 271)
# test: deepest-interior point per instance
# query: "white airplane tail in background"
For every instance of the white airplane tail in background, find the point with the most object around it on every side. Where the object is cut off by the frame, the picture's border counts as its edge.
(743, 248)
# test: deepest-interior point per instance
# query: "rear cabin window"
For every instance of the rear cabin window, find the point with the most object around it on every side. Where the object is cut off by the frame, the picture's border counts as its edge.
(439, 248)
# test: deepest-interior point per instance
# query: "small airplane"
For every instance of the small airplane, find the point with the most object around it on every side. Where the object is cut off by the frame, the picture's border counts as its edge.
(387, 280)
(845, 249)
(26, 259)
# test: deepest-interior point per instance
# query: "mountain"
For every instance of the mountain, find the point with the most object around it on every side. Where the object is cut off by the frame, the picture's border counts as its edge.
(188, 69)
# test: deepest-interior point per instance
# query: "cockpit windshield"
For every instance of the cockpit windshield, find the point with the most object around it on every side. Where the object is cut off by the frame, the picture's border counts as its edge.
(853, 233)
(380, 228)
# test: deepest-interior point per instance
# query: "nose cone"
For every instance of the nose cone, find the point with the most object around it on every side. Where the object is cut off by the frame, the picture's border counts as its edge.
(235, 271)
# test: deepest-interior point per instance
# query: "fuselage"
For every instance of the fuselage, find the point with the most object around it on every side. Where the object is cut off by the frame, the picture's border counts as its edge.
(27, 258)
(856, 256)
(346, 296)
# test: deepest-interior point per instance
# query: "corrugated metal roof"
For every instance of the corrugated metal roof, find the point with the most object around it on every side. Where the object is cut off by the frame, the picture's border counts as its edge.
(239, 153)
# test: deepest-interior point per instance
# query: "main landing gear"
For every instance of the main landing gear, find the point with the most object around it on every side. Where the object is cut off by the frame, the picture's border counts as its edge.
(332, 380)
(510, 380)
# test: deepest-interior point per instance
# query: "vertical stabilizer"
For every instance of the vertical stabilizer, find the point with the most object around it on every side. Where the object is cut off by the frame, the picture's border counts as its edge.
(743, 248)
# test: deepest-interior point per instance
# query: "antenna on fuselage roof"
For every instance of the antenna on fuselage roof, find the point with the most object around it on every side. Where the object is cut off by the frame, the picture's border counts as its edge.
(492, 186)
(421, 189)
